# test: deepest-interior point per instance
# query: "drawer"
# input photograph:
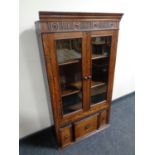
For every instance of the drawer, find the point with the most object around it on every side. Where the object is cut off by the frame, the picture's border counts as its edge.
(103, 118)
(65, 136)
(85, 126)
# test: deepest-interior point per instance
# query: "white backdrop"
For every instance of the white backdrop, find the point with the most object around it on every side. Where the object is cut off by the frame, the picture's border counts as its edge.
(34, 99)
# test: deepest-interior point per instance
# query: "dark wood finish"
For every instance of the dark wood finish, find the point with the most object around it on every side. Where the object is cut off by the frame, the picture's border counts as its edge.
(81, 114)
(88, 118)
(66, 135)
(102, 119)
(85, 126)
(45, 15)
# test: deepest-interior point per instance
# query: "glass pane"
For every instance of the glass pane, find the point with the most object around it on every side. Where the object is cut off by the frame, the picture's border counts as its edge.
(100, 61)
(69, 58)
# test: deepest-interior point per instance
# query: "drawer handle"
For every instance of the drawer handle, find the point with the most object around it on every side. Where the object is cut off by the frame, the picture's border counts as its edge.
(87, 127)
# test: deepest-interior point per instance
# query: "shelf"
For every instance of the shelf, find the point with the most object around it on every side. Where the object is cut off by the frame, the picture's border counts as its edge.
(72, 103)
(94, 84)
(71, 89)
(68, 56)
(75, 87)
(97, 98)
(98, 56)
(73, 107)
(77, 84)
(69, 62)
(98, 92)
(97, 84)
(68, 92)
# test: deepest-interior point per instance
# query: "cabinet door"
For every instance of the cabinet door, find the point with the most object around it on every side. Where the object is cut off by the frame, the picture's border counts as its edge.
(102, 45)
(68, 50)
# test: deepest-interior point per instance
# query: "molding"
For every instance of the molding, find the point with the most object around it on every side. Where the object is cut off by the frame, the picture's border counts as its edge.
(70, 26)
(45, 15)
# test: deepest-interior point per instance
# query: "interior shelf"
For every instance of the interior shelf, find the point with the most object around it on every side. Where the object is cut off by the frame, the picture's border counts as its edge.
(72, 103)
(76, 87)
(68, 56)
(73, 61)
(98, 56)
(95, 84)
(71, 108)
(69, 62)
(70, 91)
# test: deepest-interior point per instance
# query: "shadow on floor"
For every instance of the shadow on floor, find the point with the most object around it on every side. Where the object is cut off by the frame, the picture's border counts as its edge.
(45, 138)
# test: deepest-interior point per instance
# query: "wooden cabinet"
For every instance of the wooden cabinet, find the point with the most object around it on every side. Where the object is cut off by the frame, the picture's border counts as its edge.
(79, 51)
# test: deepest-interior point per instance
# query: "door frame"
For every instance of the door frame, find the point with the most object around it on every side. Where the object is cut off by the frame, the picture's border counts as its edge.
(49, 41)
(112, 58)
(112, 61)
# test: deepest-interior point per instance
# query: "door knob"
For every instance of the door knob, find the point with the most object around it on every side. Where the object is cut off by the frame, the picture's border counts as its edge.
(85, 77)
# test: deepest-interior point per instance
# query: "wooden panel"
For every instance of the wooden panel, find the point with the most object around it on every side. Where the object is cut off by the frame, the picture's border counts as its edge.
(102, 118)
(85, 126)
(84, 72)
(68, 35)
(52, 71)
(49, 15)
(102, 33)
(65, 136)
(78, 25)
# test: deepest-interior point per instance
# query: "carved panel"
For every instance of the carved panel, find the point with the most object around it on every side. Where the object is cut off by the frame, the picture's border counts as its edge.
(66, 26)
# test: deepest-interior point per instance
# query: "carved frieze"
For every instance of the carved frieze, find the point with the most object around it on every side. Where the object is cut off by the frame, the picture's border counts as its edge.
(63, 26)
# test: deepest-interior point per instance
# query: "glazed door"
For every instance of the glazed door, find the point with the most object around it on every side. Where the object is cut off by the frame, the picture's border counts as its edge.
(70, 53)
(80, 69)
(101, 53)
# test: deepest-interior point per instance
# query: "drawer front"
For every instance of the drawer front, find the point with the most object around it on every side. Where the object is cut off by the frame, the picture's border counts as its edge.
(85, 126)
(65, 136)
(103, 118)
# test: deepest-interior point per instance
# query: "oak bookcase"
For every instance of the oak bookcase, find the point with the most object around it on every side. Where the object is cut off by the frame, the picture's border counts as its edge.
(79, 51)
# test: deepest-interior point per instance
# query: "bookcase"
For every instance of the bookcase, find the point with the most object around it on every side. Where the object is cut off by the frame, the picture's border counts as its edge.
(79, 51)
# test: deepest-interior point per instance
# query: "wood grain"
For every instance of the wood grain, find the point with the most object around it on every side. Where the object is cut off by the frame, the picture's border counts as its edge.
(54, 26)
(85, 126)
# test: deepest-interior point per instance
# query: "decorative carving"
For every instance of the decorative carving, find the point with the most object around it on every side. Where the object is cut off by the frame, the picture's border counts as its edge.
(64, 26)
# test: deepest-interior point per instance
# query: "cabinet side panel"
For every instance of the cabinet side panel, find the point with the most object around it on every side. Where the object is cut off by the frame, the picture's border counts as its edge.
(52, 80)
(44, 70)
